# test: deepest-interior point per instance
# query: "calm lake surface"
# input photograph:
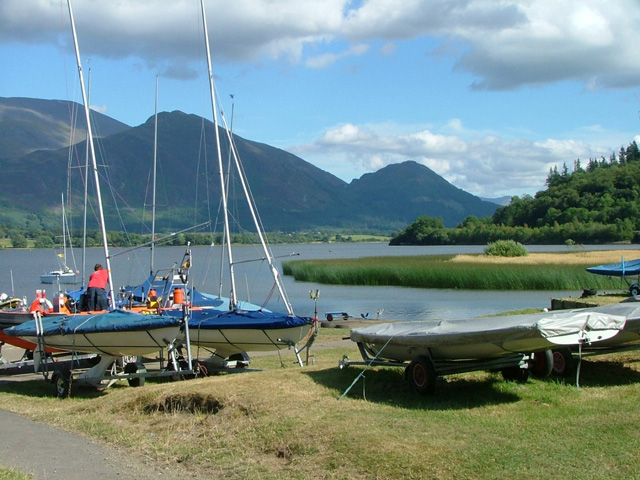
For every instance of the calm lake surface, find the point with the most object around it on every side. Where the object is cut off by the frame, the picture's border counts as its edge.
(20, 275)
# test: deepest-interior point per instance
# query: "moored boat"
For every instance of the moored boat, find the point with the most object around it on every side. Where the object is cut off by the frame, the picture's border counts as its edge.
(63, 276)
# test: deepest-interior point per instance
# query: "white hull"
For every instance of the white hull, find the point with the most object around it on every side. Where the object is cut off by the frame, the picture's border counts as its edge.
(62, 278)
(227, 341)
(117, 344)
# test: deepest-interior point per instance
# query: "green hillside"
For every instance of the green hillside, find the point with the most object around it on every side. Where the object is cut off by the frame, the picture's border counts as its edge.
(596, 203)
(291, 194)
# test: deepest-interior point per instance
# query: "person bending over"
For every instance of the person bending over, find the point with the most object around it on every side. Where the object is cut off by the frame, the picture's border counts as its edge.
(97, 289)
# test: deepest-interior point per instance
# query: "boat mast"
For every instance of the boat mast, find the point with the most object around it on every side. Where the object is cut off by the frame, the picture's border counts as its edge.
(153, 196)
(86, 197)
(254, 215)
(64, 236)
(222, 258)
(93, 155)
(227, 234)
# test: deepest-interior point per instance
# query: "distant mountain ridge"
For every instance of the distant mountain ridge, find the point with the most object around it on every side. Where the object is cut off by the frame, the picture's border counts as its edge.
(30, 124)
(291, 194)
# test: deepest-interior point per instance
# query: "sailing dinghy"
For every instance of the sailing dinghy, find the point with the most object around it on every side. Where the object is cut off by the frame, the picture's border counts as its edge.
(65, 274)
(111, 334)
(623, 270)
(117, 333)
(514, 343)
(230, 327)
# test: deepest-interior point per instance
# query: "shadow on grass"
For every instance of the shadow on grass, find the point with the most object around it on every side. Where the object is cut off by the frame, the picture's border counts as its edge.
(388, 386)
(40, 388)
(603, 373)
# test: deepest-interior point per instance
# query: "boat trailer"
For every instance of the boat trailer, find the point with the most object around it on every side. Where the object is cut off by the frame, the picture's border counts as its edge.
(102, 371)
(422, 372)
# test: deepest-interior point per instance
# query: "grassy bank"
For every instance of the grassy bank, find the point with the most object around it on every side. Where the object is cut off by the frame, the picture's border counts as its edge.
(287, 423)
(537, 271)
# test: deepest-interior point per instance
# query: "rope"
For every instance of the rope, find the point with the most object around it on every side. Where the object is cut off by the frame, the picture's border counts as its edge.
(579, 364)
(364, 370)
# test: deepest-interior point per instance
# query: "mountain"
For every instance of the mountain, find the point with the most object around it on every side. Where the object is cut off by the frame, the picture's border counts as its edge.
(407, 190)
(30, 124)
(291, 194)
(502, 201)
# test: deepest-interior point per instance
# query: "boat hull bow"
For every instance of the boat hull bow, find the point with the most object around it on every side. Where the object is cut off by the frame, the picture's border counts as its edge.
(116, 333)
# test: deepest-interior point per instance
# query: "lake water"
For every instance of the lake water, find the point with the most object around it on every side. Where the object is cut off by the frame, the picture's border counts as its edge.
(20, 275)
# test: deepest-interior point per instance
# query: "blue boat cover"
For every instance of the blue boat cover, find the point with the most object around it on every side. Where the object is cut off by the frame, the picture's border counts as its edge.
(114, 321)
(632, 267)
(163, 287)
(238, 319)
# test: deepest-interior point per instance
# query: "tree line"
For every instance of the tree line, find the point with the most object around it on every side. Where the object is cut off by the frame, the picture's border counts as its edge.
(596, 203)
(17, 237)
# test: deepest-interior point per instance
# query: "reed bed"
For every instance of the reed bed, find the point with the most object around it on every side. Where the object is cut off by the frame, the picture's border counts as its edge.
(563, 271)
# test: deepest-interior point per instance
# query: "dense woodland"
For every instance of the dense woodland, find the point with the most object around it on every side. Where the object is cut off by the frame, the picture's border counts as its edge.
(594, 203)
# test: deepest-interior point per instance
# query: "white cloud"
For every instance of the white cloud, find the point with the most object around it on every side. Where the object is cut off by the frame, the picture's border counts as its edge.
(504, 44)
(100, 108)
(485, 165)
(326, 59)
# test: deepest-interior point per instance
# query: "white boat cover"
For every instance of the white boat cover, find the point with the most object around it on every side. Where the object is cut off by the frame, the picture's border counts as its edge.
(529, 332)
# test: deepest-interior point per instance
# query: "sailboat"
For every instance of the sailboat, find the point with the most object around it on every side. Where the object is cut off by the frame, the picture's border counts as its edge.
(623, 269)
(112, 332)
(231, 328)
(514, 344)
(65, 274)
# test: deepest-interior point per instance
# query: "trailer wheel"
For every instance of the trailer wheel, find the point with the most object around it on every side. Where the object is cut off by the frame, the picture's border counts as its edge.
(135, 367)
(541, 365)
(422, 375)
(634, 290)
(515, 374)
(61, 380)
(562, 362)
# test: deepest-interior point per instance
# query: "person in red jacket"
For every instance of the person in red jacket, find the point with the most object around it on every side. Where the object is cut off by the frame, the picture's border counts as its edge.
(97, 289)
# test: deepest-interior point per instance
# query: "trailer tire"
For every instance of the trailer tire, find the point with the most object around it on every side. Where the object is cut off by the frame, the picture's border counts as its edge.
(61, 381)
(541, 364)
(135, 367)
(634, 290)
(422, 375)
(562, 362)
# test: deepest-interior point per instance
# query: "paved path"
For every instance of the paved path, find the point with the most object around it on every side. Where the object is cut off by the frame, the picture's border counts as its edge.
(51, 454)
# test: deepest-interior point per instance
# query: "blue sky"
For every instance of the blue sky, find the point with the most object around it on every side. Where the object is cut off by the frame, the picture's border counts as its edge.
(489, 94)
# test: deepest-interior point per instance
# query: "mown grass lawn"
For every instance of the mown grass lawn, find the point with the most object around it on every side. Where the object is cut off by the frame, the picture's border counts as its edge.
(287, 423)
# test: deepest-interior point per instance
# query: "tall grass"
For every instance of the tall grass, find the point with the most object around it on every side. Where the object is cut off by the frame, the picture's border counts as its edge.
(439, 271)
